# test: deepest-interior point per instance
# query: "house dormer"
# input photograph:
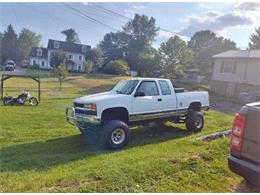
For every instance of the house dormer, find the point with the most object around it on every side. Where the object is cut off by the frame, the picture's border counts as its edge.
(39, 52)
(84, 48)
(56, 44)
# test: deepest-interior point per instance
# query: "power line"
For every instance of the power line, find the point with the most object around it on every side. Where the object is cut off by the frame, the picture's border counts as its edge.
(88, 17)
(125, 17)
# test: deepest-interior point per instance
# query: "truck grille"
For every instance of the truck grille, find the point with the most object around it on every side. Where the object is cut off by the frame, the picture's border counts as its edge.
(79, 109)
(78, 105)
(85, 112)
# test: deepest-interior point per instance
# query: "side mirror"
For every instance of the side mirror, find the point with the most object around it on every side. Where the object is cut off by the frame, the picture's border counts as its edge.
(139, 94)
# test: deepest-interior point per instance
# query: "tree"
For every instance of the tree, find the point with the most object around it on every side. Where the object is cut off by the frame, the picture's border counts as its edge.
(57, 58)
(60, 72)
(71, 35)
(88, 66)
(95, 56)
(142, 32)
(27, 39)
(9, 44)
(117, 67)
(1, 37)
(175, 56)
(255, 39)
(148, 63)
(114, 46)
(58, 64)
(206, 44)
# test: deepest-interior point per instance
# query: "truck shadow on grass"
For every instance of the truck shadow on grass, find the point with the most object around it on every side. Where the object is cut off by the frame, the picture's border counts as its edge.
(43, 155)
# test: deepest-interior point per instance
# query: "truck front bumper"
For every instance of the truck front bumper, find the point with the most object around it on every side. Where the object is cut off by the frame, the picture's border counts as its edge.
(88, 123)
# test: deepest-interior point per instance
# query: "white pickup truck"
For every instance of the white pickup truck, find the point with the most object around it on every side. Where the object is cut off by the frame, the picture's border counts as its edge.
(136, 101)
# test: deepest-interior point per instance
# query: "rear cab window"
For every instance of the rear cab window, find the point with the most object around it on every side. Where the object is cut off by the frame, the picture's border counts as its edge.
(165, 88)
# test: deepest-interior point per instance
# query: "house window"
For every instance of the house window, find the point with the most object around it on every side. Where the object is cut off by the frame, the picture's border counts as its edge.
(70, 56)
(39, 52)
(228, 67)
(79, 68)
(84, 48)
(80, 58)
(56, 44)
(43, 64)
(34, 62)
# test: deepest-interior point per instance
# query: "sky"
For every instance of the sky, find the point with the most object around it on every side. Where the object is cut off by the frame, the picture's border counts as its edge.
(236, 21)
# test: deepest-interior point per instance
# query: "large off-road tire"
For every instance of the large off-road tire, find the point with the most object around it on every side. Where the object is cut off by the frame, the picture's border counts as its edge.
(194, 121)
(115, 134)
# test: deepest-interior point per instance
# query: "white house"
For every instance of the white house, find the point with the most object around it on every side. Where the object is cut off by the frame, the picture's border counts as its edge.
(235, 72)
(74, 52)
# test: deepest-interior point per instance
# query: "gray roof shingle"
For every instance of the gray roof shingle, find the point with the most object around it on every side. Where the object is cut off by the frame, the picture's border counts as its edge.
(239, 54)
(68, 47)
(34, 52)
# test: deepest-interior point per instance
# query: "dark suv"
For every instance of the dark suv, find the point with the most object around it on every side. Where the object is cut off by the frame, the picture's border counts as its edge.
(244, 158)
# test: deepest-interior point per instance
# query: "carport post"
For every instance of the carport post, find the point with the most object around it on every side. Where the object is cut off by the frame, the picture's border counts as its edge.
(39, 92)
(2, 87)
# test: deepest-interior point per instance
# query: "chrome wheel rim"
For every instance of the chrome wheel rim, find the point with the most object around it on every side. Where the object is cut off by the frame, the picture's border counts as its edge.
(198, 122)
(33, 102)
(118, 136)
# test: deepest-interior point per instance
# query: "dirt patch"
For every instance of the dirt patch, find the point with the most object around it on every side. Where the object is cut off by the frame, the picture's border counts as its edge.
(245, 187)
(72, 186)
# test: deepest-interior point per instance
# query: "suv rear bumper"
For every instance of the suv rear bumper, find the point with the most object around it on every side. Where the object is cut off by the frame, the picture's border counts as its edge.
(246, 169)
(88, 123)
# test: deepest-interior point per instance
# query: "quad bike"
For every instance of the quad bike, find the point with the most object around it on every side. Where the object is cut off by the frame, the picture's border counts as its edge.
(20, 99)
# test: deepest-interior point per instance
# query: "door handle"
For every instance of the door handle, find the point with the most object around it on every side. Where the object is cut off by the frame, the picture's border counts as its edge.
(160, 99)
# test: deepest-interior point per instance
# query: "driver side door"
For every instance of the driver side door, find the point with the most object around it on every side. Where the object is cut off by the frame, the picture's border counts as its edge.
(150, 102)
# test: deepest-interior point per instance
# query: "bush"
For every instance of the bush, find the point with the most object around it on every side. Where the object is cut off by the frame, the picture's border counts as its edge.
(117, 67)
(35, 66)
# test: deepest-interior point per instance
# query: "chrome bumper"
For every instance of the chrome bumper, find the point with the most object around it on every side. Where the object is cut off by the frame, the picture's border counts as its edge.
(80, 120)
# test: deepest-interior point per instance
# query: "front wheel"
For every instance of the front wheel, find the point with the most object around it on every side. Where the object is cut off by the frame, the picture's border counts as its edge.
(115, 134)
(194, 121)
(33, 101)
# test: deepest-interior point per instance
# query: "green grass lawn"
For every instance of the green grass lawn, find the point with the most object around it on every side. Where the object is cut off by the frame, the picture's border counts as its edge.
(40, 152)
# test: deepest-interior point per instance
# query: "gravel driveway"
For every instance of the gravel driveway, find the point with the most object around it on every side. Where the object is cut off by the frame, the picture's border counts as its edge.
(17, 71)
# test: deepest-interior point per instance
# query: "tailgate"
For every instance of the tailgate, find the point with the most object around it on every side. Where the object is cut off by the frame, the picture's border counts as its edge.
(251, 142)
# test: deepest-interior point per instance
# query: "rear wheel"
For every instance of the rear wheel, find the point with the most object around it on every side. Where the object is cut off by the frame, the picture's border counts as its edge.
(194, 121)
(33, 101)
(115, 134)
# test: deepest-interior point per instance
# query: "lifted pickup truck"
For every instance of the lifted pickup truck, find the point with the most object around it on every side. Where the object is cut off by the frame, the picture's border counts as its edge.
(136, 101)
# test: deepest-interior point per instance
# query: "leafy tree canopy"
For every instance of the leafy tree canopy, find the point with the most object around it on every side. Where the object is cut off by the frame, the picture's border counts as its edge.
(71, 35)
(255, 39)
(175, 56)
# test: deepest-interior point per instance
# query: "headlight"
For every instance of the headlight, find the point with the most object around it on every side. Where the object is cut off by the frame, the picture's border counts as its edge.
(91, 106)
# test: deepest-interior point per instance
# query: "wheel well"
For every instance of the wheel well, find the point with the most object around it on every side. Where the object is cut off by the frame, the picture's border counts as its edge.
(195, 106)
(119, 113)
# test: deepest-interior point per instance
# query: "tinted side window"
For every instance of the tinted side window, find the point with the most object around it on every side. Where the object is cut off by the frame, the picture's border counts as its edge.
(149, 88)
(165, 88)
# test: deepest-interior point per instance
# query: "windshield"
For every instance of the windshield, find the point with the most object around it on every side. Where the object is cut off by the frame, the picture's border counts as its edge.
(125, 87)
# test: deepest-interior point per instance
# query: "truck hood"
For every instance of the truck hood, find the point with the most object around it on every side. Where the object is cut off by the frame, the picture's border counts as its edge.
(95, 98)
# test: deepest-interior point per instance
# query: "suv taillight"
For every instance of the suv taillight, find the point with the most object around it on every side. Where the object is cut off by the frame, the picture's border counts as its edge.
(237, 132)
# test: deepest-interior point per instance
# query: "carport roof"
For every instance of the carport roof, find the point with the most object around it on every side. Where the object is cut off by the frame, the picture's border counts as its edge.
(239, 54)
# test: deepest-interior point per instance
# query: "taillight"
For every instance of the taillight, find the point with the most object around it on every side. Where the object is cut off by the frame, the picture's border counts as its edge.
(237, 132)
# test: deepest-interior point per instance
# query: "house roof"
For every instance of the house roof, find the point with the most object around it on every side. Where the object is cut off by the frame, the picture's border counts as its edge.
(34, 52)
(239, 54)
(68, 47)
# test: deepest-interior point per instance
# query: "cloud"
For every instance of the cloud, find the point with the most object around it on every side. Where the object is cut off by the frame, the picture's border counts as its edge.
(133, 9)
(217, 21)
(165, 35)
(248, 6)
